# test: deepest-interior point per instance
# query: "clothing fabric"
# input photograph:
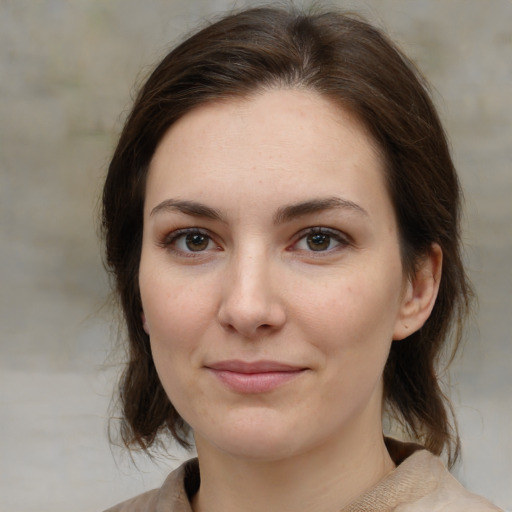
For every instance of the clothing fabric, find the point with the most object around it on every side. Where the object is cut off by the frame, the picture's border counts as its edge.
(420, 483)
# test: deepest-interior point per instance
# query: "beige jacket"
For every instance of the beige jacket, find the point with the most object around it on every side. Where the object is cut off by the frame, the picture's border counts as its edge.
(420, 483)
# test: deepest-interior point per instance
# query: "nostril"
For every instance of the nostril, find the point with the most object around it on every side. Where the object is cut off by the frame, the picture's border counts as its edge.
(250, 308)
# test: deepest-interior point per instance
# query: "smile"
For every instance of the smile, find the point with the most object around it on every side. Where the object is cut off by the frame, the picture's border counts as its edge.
(257, 377)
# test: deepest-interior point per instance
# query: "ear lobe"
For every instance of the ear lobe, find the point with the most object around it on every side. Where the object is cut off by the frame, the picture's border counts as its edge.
(144, 323)
(420, 294)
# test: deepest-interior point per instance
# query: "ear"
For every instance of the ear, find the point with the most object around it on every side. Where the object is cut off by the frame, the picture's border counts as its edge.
(420, 294)
(144, 323)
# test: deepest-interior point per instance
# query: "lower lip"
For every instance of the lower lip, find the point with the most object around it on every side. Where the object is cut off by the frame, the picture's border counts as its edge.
(255, 382)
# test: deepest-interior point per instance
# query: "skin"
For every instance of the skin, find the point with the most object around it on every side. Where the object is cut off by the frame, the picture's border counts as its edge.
(233, 270)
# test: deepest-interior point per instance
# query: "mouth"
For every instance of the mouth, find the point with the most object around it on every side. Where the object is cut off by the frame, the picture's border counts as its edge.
(254, 377)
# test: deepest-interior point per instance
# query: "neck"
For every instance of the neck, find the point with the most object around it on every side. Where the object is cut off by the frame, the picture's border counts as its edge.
(324, 479)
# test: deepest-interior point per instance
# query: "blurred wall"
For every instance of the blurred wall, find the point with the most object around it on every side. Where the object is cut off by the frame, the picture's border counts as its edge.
(67, 70)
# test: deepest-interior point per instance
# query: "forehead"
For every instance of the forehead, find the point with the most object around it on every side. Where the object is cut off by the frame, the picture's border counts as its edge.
(280, 109)
(288, 142)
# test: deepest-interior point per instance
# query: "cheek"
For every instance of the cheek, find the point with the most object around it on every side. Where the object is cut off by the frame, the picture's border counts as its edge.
(174, 307)
(174, 316)
(360, 304)
(352, 317)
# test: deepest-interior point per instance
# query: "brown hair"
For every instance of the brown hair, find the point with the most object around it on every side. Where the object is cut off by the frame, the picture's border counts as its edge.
(347, 60)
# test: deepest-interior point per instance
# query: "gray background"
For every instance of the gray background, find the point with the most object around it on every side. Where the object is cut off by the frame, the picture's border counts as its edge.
(67, 70)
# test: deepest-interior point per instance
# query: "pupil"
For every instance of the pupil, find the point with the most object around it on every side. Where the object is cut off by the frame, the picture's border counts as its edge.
(196, 242)
(318, 241)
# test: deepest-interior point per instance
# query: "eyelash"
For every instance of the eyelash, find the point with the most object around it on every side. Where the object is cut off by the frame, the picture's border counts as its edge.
(170, 240)
(337, 236)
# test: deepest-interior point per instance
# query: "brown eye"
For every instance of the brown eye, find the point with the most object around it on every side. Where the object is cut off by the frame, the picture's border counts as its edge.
(196, 242)
(318, 241)
(321, 240)
(190, 242)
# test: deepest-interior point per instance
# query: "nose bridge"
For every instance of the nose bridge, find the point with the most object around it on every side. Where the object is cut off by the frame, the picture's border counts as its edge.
(251, 302)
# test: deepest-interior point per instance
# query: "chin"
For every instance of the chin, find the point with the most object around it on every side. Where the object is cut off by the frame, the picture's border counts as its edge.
(253, 436)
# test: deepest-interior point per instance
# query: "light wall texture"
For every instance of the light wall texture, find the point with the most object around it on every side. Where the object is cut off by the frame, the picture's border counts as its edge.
(67, 71)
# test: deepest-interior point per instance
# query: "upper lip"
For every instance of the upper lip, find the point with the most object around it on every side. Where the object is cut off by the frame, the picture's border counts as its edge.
(238, 366)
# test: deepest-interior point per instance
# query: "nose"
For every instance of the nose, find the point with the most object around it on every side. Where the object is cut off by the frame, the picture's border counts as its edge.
(251, 302)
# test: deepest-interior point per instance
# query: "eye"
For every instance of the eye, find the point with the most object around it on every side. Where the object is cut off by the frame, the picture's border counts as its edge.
(320, 240)
(187, 241)
(195, 241)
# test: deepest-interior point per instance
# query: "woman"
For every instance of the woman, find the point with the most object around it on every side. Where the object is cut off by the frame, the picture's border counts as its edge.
(281, 217)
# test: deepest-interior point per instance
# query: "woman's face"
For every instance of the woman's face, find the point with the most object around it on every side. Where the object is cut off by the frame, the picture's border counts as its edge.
(270, 274)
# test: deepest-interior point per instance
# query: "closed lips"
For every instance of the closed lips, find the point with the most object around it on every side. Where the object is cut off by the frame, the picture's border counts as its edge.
(237, 366)
(256, 377)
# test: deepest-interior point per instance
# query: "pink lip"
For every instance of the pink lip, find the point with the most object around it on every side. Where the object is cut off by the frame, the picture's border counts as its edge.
(254, 377)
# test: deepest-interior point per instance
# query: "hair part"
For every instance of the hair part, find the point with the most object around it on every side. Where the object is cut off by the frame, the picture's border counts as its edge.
(345, 59)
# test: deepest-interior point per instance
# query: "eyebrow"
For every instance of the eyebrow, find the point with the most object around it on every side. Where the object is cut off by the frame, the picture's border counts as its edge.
(283, 214)
(188, 207)
(293, 211)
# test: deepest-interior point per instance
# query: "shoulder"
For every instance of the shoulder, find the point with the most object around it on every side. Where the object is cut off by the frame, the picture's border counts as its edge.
(173, 496)
(420, 483)
(142, 503)
(442, 492)
(428, 486)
